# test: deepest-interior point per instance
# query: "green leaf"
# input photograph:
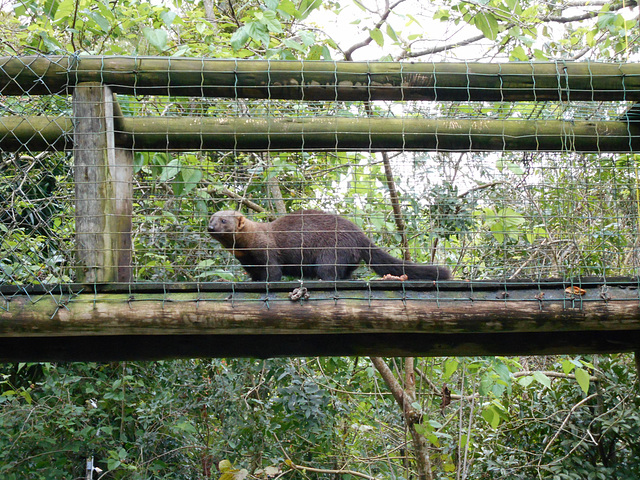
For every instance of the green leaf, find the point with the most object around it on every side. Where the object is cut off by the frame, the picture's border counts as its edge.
(306, 7)
(486, 382)
(157, 37)
(486, 22)
(287, 8)
(100, 21)
(308, 38)
(187, 180)
(511, 4)
(413, 20)
(583, 378)
(492, 416)
(377, 36)
(240, 37)
(497, 229)
(525, 381)
(392, 33)
(435, 424)
(186, 427)
(518, 53)
(442, 14)
(65, 9)
(170, 170)
(503, 372)
(421, 429)
(293, 45)
(567, 366)
(269, 20)
(542, 379)
(50, 8)
(168, 17)
(259, 33)
(450, 366)
(225, 466)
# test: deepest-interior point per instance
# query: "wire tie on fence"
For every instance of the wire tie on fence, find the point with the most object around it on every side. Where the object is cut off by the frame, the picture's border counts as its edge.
(74, 63)
(62, 304)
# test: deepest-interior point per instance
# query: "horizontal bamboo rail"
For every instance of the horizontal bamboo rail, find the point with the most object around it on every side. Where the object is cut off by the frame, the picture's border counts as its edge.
(381, 318)
(321, 80)
(330, 134)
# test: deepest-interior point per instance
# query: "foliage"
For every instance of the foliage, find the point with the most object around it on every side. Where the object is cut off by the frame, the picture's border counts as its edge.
(182, 418)
(35, 234)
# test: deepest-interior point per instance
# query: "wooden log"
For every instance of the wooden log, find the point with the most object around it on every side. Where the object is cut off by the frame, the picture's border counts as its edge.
(240, 322)
(329, 134)
(104, 189)
(321, 80)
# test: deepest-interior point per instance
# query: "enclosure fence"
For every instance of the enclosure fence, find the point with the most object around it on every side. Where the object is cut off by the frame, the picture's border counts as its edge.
(520, 178)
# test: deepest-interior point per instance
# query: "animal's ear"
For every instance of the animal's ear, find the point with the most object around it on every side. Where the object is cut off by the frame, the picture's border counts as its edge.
(240, 220)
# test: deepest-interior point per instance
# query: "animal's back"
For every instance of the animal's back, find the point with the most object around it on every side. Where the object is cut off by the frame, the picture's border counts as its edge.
(324, 245)
(316, 229)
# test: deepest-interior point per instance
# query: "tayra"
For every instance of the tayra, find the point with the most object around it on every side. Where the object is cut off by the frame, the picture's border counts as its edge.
(308, 244)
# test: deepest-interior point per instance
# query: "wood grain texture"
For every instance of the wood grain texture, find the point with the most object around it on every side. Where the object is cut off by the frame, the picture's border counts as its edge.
(103, 188)
(436, 321)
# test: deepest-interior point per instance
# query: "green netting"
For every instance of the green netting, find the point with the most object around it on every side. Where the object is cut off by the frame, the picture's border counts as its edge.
(489, 198)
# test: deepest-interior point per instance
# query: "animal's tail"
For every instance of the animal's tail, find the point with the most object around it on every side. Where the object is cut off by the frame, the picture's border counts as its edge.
(382, 263)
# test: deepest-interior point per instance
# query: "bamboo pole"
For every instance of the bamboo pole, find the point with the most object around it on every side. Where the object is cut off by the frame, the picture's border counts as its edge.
(42, 133)
(322, 80)
(331, 134)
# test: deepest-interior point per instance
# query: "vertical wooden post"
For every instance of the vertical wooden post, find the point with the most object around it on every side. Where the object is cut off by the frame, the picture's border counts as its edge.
(104, 188)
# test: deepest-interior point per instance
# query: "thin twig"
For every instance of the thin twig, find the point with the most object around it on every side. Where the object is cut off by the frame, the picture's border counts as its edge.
(334, 472)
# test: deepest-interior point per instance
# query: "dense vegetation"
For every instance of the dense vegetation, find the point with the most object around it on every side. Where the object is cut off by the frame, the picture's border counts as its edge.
(486, 216)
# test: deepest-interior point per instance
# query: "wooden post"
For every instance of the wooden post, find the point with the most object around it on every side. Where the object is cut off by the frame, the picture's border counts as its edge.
(104, 189)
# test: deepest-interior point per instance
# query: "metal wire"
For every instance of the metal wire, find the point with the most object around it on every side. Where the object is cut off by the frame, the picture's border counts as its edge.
(486, 214)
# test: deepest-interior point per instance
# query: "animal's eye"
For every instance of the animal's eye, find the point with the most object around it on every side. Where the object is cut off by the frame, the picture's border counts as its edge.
(222, 220)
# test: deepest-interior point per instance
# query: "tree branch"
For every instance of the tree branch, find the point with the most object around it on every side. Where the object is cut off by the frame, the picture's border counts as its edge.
(404, 400)
(349, 52)
(442, 48)
(324, 470)
(569, 376)
(566, 419)
(549, 18)
(395, 205)
(387, 375)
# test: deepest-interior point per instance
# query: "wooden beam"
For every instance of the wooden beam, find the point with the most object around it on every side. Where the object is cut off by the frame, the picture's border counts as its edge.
(104, 189)
(331, 134)
(452, 319)
(321, 80)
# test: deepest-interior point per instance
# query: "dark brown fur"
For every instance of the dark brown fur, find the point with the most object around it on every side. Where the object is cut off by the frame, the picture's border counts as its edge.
(308, 244)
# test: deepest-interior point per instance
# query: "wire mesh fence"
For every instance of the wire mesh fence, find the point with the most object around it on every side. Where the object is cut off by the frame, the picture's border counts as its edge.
(457, 174)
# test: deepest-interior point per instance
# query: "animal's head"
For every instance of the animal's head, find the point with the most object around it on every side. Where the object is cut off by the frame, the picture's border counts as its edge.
(225, 223)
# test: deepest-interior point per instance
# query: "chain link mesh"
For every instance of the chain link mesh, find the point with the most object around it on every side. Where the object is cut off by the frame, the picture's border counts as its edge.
(499, 214)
